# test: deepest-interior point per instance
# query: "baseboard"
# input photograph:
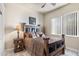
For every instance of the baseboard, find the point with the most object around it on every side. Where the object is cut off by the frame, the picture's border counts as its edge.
(72, 49)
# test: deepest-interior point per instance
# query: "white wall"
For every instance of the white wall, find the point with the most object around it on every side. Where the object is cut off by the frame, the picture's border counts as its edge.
(14, 14)
(71, 42)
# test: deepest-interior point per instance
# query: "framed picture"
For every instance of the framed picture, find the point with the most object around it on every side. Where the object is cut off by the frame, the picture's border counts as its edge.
(32, 20)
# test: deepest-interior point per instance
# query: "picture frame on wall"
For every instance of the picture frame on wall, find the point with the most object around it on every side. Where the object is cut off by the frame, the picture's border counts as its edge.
(32, 20)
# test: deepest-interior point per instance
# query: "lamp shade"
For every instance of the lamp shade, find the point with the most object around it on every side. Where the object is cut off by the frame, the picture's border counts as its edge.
(18, 27)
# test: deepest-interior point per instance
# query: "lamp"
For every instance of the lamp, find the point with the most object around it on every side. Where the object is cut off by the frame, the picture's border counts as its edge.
(18, 27)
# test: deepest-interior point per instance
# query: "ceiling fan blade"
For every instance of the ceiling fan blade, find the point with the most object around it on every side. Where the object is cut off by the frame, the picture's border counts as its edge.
(53, 4)
(43, 5)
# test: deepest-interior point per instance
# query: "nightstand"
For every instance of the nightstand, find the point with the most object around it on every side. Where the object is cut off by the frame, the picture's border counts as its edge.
(18, 45)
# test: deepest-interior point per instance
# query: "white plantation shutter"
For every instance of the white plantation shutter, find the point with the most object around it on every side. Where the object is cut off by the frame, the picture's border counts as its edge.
(69, 24)
(56, 25)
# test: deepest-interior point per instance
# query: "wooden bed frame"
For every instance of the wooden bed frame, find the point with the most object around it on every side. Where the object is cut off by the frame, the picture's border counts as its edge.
(54, 48)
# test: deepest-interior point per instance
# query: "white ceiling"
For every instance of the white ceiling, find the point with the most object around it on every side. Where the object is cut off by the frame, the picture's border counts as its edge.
(37, 6)
(48, 7)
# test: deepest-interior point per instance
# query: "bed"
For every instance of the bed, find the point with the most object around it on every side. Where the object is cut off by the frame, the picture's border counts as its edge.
(44, 46)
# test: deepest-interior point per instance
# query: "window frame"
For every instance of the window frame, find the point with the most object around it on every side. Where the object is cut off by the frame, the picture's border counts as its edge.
(77, 17)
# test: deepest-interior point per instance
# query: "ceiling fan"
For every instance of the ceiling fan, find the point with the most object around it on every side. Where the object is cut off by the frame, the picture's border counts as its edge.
(53, 4)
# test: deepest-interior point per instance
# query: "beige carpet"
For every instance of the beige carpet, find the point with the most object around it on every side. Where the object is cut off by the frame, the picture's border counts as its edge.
(11, 53)
(25, 53)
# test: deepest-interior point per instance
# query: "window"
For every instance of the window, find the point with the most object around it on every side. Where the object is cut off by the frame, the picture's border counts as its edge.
(66, 24)
(56, 25)
(69, 22)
